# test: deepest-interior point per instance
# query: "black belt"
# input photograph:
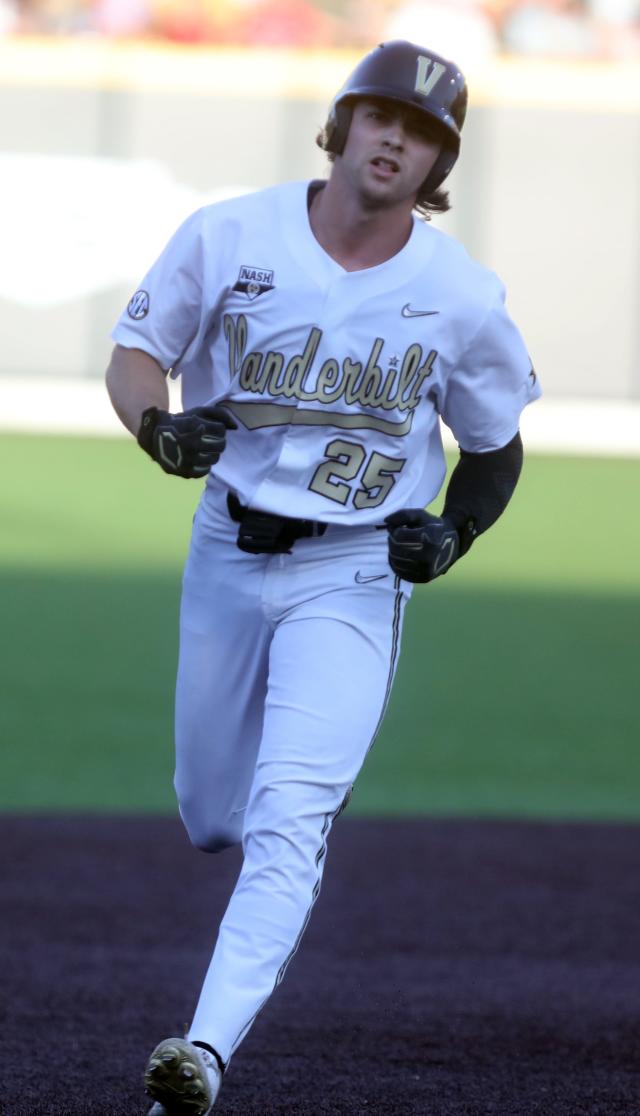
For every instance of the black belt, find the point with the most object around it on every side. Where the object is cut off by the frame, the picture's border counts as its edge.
(263, 533)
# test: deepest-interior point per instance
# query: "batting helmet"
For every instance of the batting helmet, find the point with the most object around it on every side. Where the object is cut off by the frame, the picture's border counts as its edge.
(410, 74)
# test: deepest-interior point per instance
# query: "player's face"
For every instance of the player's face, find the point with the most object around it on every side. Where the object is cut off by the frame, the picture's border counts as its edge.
(389, 152)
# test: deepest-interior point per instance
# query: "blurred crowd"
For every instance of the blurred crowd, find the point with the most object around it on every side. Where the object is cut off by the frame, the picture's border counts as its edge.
(467, 30)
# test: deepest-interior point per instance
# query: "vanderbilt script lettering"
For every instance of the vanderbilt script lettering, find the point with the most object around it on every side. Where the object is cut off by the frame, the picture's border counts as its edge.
(367, 384)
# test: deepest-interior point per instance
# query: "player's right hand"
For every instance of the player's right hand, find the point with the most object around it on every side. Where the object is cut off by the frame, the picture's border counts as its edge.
(185, 444)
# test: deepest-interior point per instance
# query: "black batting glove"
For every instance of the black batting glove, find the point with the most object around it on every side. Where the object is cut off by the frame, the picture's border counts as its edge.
(186, 444)
(421, 546)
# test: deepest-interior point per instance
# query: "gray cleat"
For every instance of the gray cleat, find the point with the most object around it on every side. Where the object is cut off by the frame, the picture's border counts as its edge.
(182, 1079)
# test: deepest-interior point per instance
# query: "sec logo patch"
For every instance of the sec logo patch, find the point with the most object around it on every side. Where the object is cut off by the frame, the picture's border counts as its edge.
(138, 306)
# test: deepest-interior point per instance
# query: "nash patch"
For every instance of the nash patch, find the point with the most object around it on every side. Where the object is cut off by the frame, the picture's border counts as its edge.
(254, 281)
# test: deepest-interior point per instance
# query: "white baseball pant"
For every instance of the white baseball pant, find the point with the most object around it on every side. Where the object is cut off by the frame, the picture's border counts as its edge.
(286, 665)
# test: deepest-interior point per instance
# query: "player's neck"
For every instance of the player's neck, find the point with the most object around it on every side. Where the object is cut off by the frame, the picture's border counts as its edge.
(354, 236)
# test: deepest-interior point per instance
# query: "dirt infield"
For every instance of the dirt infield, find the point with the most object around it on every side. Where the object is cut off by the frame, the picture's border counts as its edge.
(451, 968)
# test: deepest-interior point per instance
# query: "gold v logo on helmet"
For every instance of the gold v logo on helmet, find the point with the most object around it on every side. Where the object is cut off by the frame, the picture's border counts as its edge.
(427, 78)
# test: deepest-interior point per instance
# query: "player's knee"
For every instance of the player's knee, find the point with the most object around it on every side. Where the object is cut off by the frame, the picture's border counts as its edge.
(275, 820)
(212, 836)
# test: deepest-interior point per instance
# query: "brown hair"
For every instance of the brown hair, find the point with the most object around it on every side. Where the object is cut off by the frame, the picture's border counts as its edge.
(427, 202)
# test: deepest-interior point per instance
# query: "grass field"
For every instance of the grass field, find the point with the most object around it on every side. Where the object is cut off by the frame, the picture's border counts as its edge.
(517, 692)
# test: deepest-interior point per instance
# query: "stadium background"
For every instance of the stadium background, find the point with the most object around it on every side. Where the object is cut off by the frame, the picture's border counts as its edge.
(517, 693)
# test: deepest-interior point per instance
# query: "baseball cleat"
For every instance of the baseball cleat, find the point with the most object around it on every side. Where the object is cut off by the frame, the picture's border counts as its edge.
(182, 1079)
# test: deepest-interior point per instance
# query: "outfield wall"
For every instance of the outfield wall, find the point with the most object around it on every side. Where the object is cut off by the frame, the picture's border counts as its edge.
(104, 148)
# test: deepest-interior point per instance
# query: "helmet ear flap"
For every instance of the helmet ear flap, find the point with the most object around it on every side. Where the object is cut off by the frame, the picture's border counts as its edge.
(337, 127)
(443, 165)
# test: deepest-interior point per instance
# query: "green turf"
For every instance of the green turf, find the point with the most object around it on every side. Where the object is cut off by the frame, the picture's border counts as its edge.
(516, 693)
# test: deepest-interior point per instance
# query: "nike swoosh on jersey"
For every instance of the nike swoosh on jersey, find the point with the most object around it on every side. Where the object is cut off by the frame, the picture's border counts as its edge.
(361, 579)
(407, 312)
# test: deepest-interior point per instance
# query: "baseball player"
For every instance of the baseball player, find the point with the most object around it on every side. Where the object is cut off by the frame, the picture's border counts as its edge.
(321, 331)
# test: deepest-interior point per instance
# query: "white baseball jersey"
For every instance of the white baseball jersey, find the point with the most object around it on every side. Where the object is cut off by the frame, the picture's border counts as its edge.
(336, 378)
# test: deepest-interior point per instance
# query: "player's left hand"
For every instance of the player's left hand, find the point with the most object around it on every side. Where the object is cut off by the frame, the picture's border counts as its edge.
(185, 444)
(421, 546)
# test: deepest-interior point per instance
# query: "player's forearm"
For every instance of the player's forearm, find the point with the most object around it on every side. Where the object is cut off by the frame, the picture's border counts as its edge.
(481, 486)
(135, 381)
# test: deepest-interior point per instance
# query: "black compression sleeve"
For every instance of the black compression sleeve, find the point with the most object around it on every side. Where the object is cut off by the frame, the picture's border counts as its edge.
(480, 488)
